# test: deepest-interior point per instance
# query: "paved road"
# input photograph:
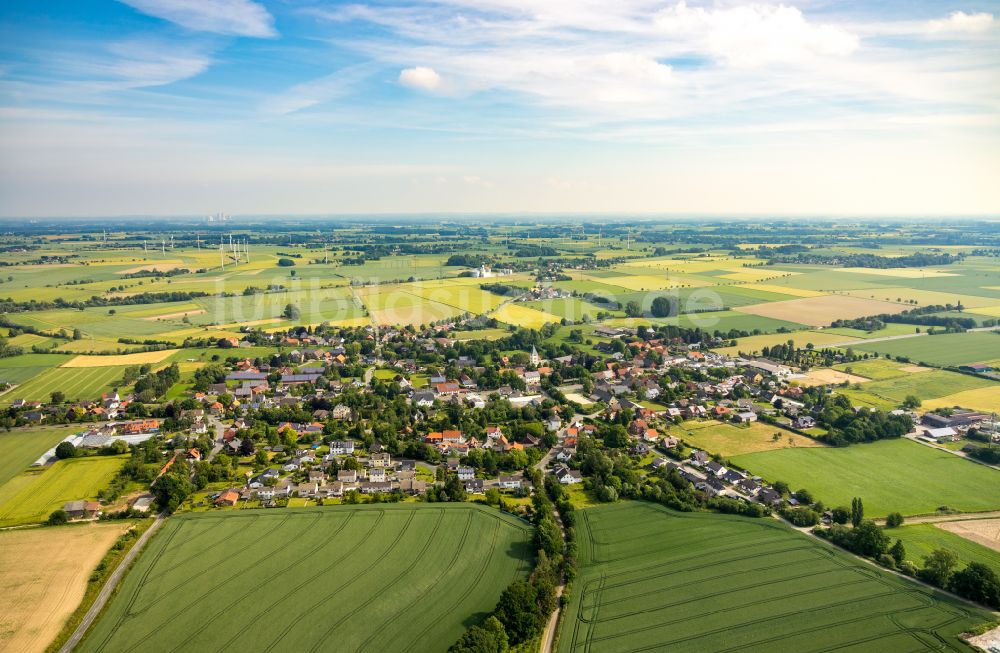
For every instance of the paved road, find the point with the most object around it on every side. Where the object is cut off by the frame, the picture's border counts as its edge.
(109, 587)
(961, 454)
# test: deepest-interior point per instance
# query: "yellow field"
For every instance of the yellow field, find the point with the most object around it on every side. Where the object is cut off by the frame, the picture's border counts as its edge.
(784, 290)
(985, 399)
(170, 316)
(154, 267)
(421, 312)
(992, 311)
(464, 297)
(755, 274)
(141, 358)
(649, 282)
(523, 316)
(901, 273)
(924, 297)
(819, 339)
(821, 311)
(980, 531)
(43, 577)
(827, 376)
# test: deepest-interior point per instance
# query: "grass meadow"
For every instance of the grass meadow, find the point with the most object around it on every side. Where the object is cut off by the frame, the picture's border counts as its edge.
(347, 578)
(731, 440)
(651, 579)
(922, 539)
(32, 496)
(889, 475)
(947, 349)
(21, 447)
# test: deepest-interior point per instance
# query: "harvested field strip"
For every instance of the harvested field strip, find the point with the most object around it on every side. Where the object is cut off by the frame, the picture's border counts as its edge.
(821, 311)
(141, 358)
(322, 557)
(688, 593)
(21, 447)
(37, 494)
(76, 383)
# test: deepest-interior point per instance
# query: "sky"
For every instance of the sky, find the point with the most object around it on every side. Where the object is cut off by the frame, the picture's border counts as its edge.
(272, 107)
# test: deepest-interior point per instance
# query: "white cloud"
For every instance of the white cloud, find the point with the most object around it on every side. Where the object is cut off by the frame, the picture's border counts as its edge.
(959, 22)
(420, 77)
(236, 17)
(754, 35)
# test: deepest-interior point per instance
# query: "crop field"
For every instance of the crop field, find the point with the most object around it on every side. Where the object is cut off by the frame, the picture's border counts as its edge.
(889, 475)
(32, 496)
(653, 579)
(923, 385)
(947, 349)
(43, 577)
(982, 531)
(522, 316)
(20, 447)
(922, 539)
(301, 579)
(985, 399)
(730, 440)
(827, 376)
(141, 358)
(821, 311)
(819, 339)
(75, 383)
(880, 369)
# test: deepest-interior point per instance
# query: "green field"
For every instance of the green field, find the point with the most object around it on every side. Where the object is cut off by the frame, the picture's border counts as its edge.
(349, 578)
(21, 447)
(927, 384)
(947, 349)
(877, 369)
(922, 539)
(651, 579)
(75, 382)
(32, 496)
(890, 476)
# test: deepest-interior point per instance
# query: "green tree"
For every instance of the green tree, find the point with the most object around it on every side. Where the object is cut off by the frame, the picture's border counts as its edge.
(894, 520)
(291, 312)
(57, 396)
(285, 262)
(633, 309)
(57, 518)
(841, 514)
(517, 610)
(615, 437)
(938, 567)
(898, 552)
(548, 537)
(857, 511)
(978, 583)
(493, 496)
(490, 637)
(869, 540)
(65, 450)
(911, 402)
(661, 307)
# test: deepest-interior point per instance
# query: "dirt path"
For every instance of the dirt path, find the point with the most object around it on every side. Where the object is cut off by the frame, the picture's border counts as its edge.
(109, 587)
(958, 516)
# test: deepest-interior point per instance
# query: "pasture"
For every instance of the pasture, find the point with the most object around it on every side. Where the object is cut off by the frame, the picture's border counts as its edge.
(879, 369)
(43, 577)
(653, 579)
(402, 577)
(21, 447)
(889, 475)
(819, 340)
(946, 349)
(32, 496)
(731, 440)
(522, 316)
(985, 399)
(923, 385)
(922, 539)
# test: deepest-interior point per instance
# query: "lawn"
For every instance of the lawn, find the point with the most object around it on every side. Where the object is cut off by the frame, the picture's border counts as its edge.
(32, 496)
(43, 577)
(876, 369)
(21, 447)
(349, 578)
(922, 539)
(890, 475)
(947, 349)
(731, 440)
(653, 579)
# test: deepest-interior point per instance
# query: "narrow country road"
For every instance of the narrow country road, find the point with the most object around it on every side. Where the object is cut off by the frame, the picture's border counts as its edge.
(109, 587)
(956, 516)
(904, 336)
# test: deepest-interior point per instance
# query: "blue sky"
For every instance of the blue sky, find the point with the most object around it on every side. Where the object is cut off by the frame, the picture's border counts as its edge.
(634, 106)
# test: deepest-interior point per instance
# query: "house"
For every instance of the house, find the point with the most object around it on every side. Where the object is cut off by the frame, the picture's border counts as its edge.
(347, 476)
(711, 485)
(260, 480)
(82, 509)
(769, 497)
(509, 482)
(568, 476)
(745, 417)
(227, 498)
(341, 447)
(748, 487)
(380, 460)
(466, 473)
(715, 468)
(699, 458)
(340, 412)
(377, 475)
(413, 486)
(474, 486)
(375, 487)
(946, 434)
(804, 422)
(732, 476)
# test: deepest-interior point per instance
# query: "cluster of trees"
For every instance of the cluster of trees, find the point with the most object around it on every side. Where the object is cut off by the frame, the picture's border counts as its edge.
(923, 316)
(467, 260)
(500, 288)
(846, 426)
(11, 306)
(151, 386)
(915, 260)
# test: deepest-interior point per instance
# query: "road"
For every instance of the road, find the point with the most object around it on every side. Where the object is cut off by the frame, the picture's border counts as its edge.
(109, 587)
(961, 454)
(957, 516)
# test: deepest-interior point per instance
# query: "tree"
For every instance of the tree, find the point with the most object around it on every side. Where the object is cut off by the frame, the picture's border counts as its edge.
(548, 537)
(285, 262)
(893, 520)
(57, 518)
(260, 458)
(869, 540)
(490, 637)
(493, 496)
(977, 582)
(57, 396)
(170, 491)
(857, 511)
(898, 552)
(633, 309)
(661, 307)
(911, 402)
(454, 488)
(805, 496)
(246, 447)
(615, 437)
(77, 334)
(938, 567)
(291, 312)
(65, 450)
(841, 514)
(518, 612)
